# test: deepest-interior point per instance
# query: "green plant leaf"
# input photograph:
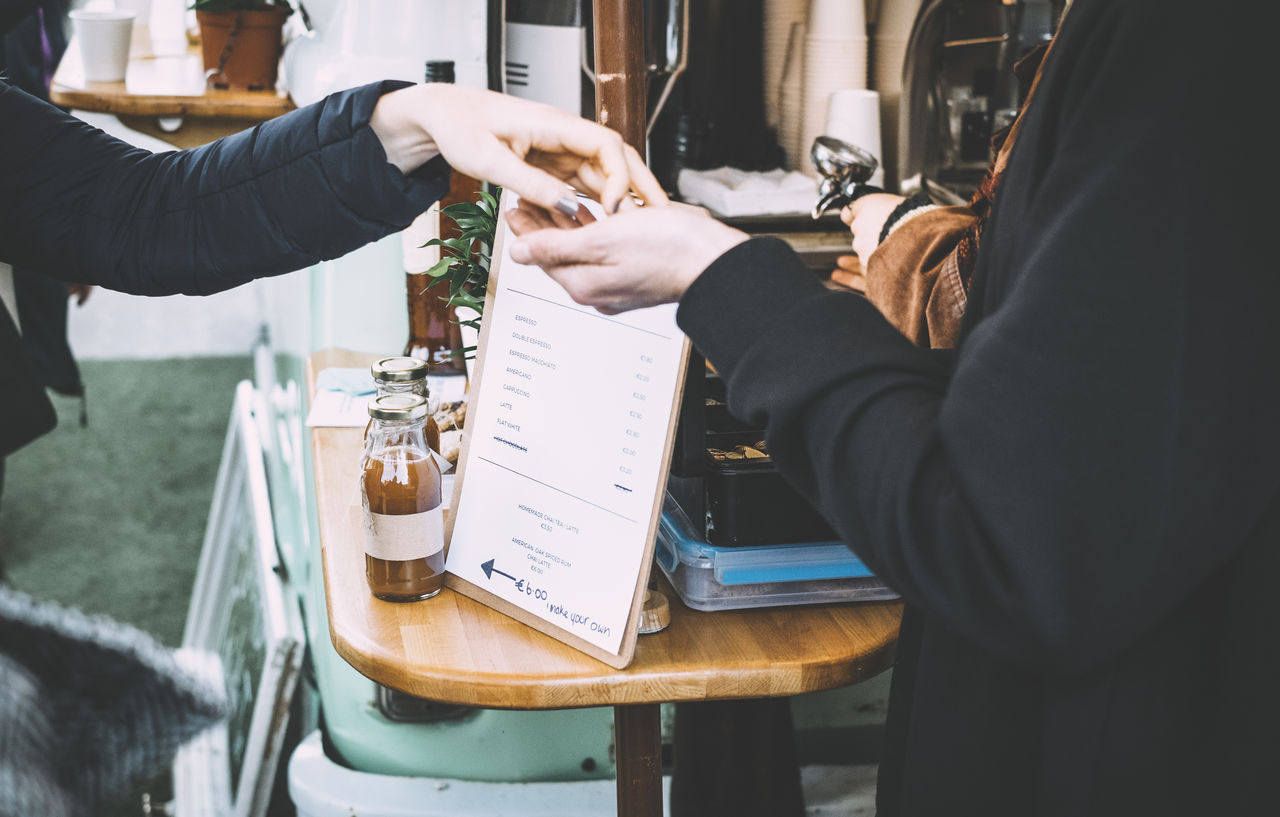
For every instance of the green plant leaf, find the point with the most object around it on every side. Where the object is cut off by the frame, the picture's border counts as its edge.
(462, 209)
(463, 299)
(440, 268)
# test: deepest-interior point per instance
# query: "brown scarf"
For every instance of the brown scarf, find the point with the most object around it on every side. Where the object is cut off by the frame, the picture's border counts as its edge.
(966, 251)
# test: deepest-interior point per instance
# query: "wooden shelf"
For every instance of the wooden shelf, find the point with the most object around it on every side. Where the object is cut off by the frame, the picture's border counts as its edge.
(167, 82)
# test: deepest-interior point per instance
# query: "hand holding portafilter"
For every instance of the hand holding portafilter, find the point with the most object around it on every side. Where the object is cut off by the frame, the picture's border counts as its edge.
(845, 169)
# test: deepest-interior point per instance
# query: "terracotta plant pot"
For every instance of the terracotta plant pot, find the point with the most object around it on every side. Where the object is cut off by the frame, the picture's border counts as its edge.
(248, 60)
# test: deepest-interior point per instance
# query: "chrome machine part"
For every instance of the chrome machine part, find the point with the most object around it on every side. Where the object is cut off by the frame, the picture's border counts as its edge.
(845, 169)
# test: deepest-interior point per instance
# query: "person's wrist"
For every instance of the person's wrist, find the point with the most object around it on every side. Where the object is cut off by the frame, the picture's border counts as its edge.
(721, 239)
(713, 242)
(906, 210)
(401, 130)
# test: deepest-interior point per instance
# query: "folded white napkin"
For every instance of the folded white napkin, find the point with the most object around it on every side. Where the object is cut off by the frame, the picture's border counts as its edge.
(730, 192)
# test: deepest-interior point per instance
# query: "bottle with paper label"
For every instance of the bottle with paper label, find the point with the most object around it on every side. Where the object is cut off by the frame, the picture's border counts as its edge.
(400, 488)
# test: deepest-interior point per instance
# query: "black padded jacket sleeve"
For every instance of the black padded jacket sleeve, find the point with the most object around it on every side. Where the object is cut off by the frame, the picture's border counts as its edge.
(307, 186)
(1107, 441)
(12, 12)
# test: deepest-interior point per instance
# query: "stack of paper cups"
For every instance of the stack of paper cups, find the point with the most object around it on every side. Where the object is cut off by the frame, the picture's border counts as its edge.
(893, 30)
(780, 16)
(854, 116)
(835, 59)
(790, 99)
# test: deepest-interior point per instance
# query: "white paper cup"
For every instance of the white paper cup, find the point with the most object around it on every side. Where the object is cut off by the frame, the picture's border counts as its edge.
(104, 42)
(854, 116)
(838, 19)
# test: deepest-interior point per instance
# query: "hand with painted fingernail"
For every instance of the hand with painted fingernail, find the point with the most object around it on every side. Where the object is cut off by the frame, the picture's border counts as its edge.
(544, 154)
(637, 258)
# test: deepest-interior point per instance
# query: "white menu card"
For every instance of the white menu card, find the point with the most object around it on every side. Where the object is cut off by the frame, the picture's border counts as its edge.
(567, 444)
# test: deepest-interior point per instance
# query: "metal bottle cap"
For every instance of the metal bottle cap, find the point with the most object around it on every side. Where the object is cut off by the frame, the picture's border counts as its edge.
(399, 369)
(400, 407)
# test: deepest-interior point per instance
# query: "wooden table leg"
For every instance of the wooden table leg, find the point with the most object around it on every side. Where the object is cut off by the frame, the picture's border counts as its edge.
(638, 738)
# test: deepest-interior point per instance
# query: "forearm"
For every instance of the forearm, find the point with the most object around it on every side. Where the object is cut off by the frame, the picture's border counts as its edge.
(1022, 499)
(408, 148)
(311, 185)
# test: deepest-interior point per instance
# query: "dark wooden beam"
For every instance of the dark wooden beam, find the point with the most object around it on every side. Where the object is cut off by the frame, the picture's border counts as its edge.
(621, 82)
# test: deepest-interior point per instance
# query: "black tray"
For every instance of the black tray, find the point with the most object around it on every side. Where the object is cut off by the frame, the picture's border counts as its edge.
(744, 502)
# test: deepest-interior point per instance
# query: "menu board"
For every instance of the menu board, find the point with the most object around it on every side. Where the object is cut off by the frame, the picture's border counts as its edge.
(569, 431)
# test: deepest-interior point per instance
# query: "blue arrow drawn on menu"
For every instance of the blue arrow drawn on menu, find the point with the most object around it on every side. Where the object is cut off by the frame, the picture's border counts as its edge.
(489, 570)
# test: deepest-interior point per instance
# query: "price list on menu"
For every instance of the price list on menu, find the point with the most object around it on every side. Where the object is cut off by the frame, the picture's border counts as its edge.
(569, 436)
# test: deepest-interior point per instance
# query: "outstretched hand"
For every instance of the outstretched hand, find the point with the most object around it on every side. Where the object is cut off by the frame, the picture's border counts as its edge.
(642, 257)
(539, 152)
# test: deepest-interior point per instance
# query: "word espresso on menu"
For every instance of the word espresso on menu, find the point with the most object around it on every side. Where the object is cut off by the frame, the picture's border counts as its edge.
(570, 425)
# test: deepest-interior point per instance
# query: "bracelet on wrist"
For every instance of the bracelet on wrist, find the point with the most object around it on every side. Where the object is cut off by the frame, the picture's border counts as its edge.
(906, 209)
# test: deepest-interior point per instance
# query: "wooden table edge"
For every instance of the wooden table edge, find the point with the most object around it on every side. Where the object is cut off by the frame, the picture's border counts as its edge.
(617, 687)
(606, 686)
(209, 105)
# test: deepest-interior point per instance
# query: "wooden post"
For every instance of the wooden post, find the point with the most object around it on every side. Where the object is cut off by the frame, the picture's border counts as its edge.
(638, 738)
(621, 81)
(622, 104)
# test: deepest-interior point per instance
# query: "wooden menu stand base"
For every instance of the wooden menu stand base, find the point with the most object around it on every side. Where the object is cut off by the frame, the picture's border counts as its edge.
(655, 613)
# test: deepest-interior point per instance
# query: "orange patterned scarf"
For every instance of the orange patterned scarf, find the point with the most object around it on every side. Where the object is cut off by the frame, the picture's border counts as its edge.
(966, 251)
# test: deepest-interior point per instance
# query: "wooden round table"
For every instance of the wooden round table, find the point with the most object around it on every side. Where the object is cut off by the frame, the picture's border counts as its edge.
(454, 649)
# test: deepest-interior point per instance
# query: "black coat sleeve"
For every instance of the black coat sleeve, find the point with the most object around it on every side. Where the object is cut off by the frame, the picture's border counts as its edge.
(1107, 439)
(12, 11)
(307, 186)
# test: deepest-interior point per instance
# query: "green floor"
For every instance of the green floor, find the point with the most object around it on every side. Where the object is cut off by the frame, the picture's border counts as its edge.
(110, 518)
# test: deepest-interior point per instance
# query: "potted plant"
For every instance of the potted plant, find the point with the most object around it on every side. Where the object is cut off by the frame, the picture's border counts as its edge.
(464, 261)
(241, 41)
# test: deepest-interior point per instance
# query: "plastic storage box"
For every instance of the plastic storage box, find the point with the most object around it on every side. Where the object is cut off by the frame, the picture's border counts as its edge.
(712, 577)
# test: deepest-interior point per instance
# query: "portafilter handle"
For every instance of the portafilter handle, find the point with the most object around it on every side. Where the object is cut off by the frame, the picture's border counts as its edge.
(845, 169)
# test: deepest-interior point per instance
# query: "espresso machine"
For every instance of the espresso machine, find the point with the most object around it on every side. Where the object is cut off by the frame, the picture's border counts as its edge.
(958, 88)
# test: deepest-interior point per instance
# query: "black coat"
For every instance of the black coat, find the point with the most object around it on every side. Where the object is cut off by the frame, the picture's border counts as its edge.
(308, 186)
(1083, 513)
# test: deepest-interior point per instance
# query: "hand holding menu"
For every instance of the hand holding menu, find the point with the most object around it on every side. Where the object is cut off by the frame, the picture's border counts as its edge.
(568, 442)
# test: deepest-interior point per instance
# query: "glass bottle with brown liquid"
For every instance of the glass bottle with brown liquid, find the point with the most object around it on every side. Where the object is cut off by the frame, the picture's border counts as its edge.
(434, 333)
(400, 489)
(407, 375)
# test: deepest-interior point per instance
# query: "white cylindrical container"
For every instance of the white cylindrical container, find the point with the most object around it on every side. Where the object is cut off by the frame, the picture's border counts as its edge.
(838, 19)
(104, 42)
(829, 66)
(853, 115)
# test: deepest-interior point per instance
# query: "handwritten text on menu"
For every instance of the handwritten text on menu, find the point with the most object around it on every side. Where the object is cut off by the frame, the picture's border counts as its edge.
(568, 434)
